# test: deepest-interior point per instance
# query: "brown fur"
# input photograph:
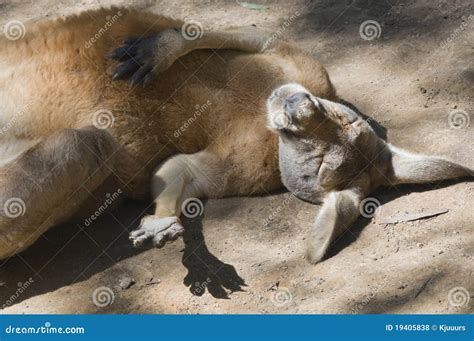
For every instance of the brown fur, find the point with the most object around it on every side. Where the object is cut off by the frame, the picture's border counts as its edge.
(58, 84)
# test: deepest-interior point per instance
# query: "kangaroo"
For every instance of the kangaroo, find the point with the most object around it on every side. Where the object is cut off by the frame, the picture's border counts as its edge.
(328, 153)
(73, 131)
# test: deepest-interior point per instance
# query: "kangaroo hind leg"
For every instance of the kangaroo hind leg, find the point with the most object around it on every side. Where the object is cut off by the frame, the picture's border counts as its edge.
(177, 186)
(48, 182)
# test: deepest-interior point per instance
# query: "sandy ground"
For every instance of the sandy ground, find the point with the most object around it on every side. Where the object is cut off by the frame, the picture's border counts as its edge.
(410, 79)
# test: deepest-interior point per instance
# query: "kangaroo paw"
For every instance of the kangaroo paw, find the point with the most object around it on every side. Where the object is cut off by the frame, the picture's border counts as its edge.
(160, 230)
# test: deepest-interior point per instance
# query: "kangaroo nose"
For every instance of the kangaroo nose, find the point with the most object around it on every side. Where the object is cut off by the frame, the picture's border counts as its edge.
(292, 102)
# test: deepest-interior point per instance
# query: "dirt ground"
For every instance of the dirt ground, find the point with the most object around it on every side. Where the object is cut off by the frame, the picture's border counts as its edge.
(410, 78)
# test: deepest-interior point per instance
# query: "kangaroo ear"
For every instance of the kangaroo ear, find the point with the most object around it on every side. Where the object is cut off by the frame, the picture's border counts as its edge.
(339, 211)
(408, 167)
(316, 102)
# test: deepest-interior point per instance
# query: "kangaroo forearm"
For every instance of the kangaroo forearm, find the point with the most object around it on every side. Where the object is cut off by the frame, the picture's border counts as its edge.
(236, 39)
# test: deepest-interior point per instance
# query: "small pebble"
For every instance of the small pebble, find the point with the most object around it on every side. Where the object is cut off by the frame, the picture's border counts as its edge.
(126, 282)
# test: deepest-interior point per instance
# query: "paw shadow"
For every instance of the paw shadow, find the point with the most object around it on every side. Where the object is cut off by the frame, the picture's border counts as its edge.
(206, 271)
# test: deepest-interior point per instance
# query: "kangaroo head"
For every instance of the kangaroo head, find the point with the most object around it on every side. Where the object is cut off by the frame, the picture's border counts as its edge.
(292, 109)
(334, 147)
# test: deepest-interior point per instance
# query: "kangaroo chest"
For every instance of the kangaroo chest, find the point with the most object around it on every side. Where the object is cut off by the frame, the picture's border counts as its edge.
(299, 167)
